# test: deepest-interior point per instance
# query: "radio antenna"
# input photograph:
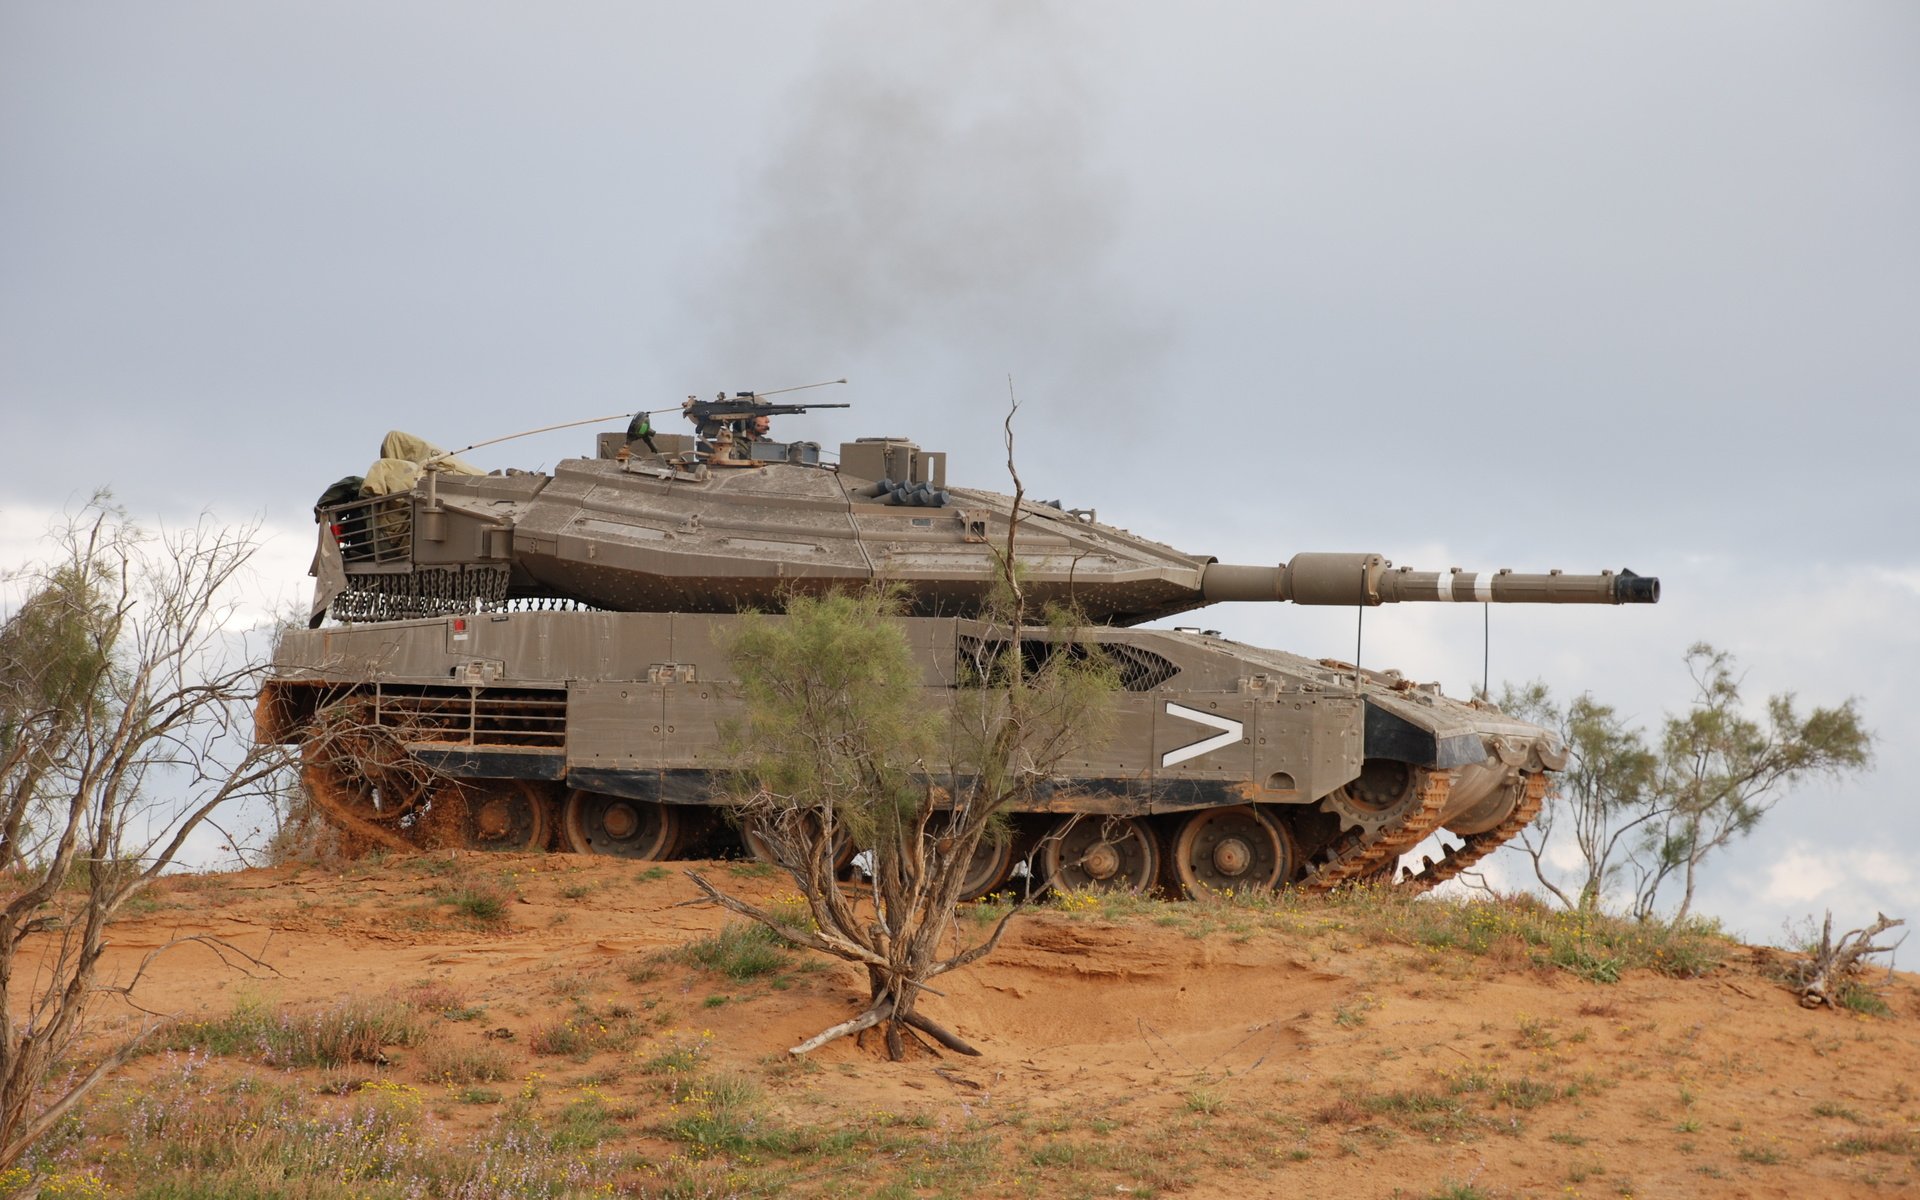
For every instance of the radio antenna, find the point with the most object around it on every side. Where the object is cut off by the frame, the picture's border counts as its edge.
(619, 416)
(801, 387)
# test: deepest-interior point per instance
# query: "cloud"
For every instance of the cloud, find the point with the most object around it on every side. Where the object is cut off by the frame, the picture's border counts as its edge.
(1809, 873)
(1802, 876)
(23, 532)
(1781, 883)
(1905, 578)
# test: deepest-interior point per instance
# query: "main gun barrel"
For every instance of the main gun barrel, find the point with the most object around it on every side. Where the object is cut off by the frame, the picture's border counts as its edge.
(1369, 579)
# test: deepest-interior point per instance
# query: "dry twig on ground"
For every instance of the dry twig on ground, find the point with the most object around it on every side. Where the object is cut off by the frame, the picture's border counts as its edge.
(1835, 964)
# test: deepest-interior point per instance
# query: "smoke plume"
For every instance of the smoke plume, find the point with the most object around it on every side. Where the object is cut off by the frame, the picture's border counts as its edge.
(933, 218)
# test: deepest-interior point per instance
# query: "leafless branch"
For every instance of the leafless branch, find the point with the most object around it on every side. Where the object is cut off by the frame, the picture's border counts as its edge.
(123, 728)
(1837, 964)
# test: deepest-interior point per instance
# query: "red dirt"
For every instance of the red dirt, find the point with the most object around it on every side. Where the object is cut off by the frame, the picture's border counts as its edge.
(1252, 1051)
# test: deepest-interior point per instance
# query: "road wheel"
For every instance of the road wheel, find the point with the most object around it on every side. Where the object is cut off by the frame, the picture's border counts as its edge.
(596, 823)
(500, 814)
(1100, 853)
(1231, 849)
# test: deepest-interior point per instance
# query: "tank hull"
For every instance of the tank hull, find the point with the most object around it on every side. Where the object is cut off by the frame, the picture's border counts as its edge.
(611, 725)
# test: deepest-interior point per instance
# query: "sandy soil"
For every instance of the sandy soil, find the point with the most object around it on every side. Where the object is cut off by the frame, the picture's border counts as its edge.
(1267, 1061)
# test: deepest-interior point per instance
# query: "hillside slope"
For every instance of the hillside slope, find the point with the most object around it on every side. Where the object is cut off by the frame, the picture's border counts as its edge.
(483, 1025)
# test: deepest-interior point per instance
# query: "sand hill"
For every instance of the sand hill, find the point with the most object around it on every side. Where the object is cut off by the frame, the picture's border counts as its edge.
(464, 1024)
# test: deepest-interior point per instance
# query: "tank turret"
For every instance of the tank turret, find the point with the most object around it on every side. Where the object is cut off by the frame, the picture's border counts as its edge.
(730, 518)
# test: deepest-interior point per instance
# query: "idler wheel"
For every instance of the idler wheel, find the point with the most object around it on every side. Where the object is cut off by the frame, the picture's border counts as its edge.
(502, 814)
(1101, 853)
(596, 823)
(1237, 849)
(1385, 793)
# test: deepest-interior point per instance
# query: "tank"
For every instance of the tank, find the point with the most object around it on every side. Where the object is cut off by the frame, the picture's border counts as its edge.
(528, 660)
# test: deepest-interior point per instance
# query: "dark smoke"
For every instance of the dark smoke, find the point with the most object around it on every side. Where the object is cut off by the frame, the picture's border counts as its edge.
(933, 218)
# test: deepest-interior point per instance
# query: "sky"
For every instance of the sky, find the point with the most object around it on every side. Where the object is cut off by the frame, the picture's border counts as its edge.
(1481, 285)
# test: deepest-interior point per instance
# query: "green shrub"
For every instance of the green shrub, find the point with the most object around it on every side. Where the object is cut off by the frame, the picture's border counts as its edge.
(742, 951)
(716, 1114)
(585, 1034)
(484, 904)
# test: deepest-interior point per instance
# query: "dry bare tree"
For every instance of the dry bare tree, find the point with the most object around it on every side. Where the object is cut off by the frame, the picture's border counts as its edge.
(837, 748)
(1833, 967)
(125, 723)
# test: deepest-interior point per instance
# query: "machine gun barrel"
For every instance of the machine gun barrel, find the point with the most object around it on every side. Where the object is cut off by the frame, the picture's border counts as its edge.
(728, 410)
(1369, 579)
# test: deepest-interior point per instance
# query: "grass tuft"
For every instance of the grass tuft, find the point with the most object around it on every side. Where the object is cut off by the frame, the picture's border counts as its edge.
(349, 1032)
(190, 1137)
(1897, 1143)
(481, 903)
(717, 1114)
(1595, 946)
(742, 951)
(1205, 1101)
(482, 1063)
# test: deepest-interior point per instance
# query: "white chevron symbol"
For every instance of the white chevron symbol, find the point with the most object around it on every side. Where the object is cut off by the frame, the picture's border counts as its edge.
(1230, 735)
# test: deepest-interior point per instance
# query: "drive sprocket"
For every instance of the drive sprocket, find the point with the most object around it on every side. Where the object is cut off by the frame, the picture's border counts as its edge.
(1383, 795)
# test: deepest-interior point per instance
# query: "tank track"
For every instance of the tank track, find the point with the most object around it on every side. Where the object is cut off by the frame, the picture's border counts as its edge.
(1356, 856)
(1478, 845)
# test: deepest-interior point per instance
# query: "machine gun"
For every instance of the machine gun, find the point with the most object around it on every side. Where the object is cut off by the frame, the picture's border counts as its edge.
(731, 433)
(736, 413)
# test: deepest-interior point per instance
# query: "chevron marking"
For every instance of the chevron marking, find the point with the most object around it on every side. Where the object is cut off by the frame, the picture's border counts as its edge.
(1230, 733)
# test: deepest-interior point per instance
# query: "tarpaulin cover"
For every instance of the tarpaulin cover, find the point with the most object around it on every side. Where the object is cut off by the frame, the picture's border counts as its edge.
(398, 467)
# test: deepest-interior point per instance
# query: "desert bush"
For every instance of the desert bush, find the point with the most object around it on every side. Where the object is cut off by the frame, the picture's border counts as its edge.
(484, 904)
(483, 1062)
(741, 952)
(119, 668)
(352, 1031)
(585, 1034)
(1835, 972)
(193, 1138)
